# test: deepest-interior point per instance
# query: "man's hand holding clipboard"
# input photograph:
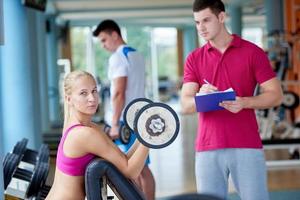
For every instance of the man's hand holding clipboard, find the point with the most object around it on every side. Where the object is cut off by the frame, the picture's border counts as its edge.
(210, 98)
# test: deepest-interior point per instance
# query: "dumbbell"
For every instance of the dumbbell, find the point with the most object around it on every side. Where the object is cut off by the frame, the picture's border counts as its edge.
(156, 125)
(25, 170)
(12, 160)
(23, 183)
(31, 156)
(124, 132)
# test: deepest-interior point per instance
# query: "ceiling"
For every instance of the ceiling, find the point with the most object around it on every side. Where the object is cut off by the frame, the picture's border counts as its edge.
(143, 12)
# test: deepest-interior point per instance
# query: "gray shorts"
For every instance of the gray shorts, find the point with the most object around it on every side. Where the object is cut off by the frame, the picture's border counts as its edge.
(246, 167)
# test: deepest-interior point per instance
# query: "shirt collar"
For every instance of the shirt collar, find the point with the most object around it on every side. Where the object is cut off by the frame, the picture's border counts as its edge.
(120, 48)
(236, 42)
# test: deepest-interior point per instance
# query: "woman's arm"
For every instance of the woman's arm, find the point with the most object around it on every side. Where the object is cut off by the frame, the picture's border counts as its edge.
(98, 143)
(133, 148)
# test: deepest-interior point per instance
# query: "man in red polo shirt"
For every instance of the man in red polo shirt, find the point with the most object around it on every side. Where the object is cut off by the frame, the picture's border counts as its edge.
(228, 140)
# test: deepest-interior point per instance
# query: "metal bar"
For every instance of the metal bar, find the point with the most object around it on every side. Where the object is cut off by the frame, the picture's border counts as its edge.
(283, 164)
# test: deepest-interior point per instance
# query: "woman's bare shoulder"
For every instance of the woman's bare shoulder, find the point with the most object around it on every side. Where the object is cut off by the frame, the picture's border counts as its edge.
(87, 139)
(85, 135)
(90, 131)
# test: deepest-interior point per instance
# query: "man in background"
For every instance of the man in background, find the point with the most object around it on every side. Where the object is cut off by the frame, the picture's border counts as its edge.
(126, 72)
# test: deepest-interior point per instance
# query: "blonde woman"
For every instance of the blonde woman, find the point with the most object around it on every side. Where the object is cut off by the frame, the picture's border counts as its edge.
(82, 140)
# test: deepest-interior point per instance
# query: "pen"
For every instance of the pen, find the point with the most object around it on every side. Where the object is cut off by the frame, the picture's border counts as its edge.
(205, 81)
(216, 89)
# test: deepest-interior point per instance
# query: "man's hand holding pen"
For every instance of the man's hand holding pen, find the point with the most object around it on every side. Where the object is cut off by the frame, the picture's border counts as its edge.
(207, 87)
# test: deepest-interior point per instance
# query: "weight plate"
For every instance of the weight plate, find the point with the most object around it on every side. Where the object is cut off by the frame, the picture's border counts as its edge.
(125, 134)
(20, 147)
(10, 164)
(37, 179)
(43, 154)
(156, 125)
(290, 100)
(132, 109)
(106, 129)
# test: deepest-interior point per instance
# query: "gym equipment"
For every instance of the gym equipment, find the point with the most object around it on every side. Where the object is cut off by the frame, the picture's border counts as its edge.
(38, 178)
(43, 154)
(26, 183)
(29, 155)
(20, 147)
(100, 173)
(124, 132)
(43, 192)
(10, 163)
(23, 182)
(26, 157)
(278, 126)
(156, 124)
(25, 170)
(132, 109)
(290, 100)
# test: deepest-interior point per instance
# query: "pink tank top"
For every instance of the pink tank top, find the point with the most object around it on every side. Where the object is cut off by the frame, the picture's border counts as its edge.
(71, 166)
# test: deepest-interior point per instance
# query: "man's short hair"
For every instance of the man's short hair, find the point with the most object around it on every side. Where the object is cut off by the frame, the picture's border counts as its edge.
(108, 26)
(216, 6)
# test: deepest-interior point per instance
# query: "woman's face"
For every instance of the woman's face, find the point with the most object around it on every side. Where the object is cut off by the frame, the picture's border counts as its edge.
(84, 98)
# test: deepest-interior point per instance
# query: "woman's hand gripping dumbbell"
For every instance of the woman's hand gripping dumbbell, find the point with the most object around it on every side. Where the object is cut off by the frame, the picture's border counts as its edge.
(124, 132)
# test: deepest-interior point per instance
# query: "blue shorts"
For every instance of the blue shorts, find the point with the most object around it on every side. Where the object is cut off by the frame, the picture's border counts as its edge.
(126, 147)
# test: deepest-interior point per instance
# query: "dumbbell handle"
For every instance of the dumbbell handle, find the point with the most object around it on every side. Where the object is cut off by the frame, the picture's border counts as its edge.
(23, 174)
(123, 134)
(106, 129)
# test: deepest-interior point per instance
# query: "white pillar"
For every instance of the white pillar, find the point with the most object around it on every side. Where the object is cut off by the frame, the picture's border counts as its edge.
(154, 67)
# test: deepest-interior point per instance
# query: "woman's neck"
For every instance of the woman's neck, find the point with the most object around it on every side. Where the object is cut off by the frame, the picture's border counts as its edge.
(85, 120)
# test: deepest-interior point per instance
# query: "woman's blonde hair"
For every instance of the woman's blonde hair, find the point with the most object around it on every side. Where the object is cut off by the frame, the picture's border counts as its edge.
(68, 83)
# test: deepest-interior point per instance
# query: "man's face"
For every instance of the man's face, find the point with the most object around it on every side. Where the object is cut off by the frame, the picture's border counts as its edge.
(108, 40)
(208, 24)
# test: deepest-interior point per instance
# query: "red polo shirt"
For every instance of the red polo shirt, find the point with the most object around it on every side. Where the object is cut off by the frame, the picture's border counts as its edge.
(240, 67)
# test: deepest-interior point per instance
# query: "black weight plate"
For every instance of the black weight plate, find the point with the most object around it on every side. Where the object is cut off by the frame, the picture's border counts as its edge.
(10, 164)
(20, 147)
(167, 119)
(125, 134)
(44, 173)
(36, 181)
(132, 109)
(106, 128)
(43, 154)
(290, 100)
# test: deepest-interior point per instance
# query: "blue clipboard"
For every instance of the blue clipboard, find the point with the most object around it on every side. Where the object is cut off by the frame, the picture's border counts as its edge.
(210, 101)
